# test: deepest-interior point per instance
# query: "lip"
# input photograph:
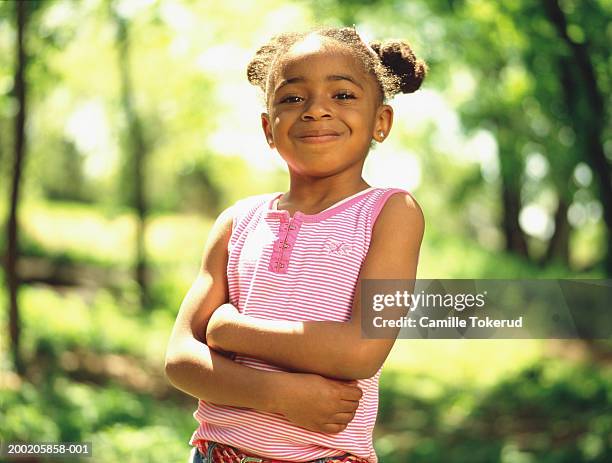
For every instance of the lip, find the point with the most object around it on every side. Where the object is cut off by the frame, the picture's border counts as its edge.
(318, 136)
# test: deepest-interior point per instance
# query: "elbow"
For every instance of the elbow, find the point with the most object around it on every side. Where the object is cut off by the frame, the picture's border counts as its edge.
(182, 374)
(354, 371)
(358, 364)
(176, 368)
(365, 371)
(179, 359)
(172, 368)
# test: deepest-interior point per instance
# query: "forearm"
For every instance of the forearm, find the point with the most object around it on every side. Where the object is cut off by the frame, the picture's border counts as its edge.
(332, 349)
(205, 374)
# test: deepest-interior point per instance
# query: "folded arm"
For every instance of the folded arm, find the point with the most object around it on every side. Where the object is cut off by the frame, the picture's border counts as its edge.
(307, 400)
(334, 349)
(190, 364)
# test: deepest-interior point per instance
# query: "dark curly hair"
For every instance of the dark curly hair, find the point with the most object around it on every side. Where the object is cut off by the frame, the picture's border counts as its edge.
(392, 63)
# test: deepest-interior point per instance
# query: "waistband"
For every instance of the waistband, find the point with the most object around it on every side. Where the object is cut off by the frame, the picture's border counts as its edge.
(215, 452)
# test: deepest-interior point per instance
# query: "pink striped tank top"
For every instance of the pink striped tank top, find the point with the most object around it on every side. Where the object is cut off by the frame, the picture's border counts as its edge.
(298, 268)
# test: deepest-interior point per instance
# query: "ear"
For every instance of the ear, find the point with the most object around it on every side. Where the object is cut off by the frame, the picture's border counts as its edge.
(267, 128)
(383, 123)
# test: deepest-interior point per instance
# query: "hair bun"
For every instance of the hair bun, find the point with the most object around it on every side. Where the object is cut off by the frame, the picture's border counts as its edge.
(256, 68)
(399, 59)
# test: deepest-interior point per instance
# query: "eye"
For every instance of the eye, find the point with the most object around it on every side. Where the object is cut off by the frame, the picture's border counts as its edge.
(290, 99)
(344, 96)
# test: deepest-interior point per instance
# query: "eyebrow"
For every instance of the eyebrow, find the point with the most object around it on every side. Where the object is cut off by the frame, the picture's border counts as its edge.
(329, 78)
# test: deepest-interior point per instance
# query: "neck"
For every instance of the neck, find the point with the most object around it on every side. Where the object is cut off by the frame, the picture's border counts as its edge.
(313, 193)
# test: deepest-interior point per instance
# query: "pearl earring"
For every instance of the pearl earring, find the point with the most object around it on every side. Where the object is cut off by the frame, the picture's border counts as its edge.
(382, 134)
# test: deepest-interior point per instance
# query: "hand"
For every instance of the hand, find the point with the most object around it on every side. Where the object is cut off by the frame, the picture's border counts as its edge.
(220, 319)
(317, 403)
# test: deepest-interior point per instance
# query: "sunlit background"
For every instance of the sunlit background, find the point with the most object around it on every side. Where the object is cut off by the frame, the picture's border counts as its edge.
(141, 126)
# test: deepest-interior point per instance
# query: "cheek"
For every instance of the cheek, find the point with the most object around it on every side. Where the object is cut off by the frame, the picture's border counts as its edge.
(281, 117)
(357, 121)
(356, 113)
(282, 122)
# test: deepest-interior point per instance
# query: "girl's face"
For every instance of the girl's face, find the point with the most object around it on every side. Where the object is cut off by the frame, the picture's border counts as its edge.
(324, 111)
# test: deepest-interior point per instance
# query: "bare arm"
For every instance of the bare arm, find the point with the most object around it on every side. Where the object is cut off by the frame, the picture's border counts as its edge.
(191, 365)
(334, 349)
(310, 401)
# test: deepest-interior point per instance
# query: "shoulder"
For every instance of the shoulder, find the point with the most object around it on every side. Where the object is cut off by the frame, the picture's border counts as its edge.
(221, 231)
(396, 237)
(247, 206)
(399, 210)
(254, 201)
(238, 215)
(243, 207)
(400, 222)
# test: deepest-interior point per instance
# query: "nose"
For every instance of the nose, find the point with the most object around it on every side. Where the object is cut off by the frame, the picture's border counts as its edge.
(316, 108)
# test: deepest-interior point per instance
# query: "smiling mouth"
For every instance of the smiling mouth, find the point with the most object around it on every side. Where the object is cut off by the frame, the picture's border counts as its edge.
(319, 138)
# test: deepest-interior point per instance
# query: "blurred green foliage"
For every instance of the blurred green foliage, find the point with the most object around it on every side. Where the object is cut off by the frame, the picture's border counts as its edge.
(551, 411)
(491, 102)
(122, 426)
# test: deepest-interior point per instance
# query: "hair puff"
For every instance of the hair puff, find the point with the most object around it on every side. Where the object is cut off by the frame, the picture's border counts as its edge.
(392, 63)
(399, 59)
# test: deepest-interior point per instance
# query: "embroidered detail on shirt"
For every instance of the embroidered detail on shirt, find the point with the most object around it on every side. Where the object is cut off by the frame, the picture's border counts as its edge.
(337, 248)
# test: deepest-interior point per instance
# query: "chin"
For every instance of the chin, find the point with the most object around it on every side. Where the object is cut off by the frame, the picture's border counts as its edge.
(314, 172)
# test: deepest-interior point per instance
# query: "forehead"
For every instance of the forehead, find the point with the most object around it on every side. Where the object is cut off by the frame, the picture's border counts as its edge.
(315, 57)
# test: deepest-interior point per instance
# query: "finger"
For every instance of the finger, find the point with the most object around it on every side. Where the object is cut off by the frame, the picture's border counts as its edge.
(351, 393)
(342, 418)
(313, 427)
(344, 382)
(333, 428)
(347, 406)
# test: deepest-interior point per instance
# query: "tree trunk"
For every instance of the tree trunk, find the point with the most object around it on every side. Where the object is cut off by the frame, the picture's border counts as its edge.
(594, 119)
(510, 172)
(137, 153)
(515, 239)
(19, 154)
(558, 246)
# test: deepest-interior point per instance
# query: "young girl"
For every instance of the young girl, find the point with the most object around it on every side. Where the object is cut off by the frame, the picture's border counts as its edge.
(269, 335)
